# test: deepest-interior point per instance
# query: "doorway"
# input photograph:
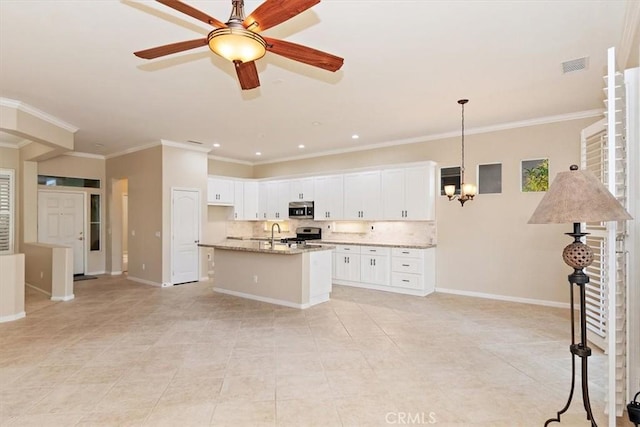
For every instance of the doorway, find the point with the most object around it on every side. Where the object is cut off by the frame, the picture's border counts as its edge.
(61, 221)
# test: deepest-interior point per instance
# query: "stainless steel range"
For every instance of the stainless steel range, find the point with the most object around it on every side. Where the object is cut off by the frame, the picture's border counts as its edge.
(303, 235)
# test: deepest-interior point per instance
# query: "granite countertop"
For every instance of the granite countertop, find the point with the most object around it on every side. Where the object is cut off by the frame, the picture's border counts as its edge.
(265, 247)
(389, 245)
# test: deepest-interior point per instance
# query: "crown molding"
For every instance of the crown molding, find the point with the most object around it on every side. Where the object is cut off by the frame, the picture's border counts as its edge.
(132, 150)
(25, 108)
(230, 160)
(85, 155)
(478, 130)
(8, 145)
(184, 146)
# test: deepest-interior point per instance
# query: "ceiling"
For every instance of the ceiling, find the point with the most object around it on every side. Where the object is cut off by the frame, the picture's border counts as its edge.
(406, 64)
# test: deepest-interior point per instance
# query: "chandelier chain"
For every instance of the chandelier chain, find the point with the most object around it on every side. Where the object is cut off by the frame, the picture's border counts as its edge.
(462, 168)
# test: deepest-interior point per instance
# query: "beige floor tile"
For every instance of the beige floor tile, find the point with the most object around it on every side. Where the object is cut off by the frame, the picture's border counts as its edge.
(192, 415)
(313, 385)
(235, 414)
(251, 389)
(123, 353)
(115, 418)
(310, 412)
(243, 366)
(71, 399)
(49, 420)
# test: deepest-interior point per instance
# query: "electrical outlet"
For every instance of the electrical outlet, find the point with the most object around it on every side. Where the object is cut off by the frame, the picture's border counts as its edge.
(143, 266)
(255, 278)
(41, 274)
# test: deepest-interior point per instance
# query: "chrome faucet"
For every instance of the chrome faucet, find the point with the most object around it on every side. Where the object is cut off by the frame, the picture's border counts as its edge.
(275, 224)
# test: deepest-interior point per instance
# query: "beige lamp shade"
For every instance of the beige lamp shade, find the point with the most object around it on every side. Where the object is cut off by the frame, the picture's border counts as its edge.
(578, 196)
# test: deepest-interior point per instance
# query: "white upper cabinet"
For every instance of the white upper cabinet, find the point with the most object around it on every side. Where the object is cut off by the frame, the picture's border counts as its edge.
(301, 189)
(362, 195)
(409, 193)
(263, 206)
(238, 198)
(220, 191)
(328, 198)
(251, 211)
(277, 199)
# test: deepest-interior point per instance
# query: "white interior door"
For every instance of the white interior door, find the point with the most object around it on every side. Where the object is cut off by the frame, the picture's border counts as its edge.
(61, 222)
(185, 227)
(125, 232)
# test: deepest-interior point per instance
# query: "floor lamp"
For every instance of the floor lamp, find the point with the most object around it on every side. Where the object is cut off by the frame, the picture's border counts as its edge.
(577, 196)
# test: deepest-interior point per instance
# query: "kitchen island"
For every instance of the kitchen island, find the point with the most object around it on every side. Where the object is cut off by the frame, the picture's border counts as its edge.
(292, 276)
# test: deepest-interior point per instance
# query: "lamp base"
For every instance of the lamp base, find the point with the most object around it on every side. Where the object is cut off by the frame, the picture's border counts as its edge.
(578, 255)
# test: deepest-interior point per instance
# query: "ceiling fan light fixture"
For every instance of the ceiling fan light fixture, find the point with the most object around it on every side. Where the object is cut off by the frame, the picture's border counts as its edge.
(237, 44)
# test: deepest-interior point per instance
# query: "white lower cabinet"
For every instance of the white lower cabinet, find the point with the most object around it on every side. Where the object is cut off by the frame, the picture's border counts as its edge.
(374, 265)
(402, 270)
(413, 269)
(347, 263)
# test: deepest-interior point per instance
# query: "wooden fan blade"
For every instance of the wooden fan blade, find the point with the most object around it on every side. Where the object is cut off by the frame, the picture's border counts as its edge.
(192, 12)
(247, 74)
(304, 54)
(273, 12)
(156, 52)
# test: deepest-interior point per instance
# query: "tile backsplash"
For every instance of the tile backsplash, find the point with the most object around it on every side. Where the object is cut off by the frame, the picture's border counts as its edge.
(390, 232)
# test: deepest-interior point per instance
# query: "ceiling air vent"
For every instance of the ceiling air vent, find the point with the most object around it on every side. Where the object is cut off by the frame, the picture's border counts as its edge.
(194, 142)
(575, 65)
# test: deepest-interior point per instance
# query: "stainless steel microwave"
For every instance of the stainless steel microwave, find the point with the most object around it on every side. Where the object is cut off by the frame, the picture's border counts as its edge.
(301, 210)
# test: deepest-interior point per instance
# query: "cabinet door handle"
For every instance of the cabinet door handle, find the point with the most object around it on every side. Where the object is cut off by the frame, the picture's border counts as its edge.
(405, 280)
(405, 265)
(374, 262)
(407, 253)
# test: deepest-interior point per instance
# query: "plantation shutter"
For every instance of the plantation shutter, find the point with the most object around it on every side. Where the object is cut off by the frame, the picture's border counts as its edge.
(6, 211)
(604, 152)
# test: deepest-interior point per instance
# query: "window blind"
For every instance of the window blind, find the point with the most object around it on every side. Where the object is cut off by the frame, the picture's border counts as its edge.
(6, 211)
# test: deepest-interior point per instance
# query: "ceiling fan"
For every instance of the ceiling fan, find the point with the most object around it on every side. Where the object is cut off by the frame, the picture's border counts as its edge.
(239, 41)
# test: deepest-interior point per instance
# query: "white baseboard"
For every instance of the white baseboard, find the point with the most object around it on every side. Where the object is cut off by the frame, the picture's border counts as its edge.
(116, 273)
(262, 299)
(94, 273)
(12, 317)
(204, 279)
(64, 298)
(144, 281)
(405, 291)
(35, 288)
(504, 298)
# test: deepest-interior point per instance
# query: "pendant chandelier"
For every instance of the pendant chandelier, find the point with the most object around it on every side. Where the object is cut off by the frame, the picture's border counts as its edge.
(467, 191)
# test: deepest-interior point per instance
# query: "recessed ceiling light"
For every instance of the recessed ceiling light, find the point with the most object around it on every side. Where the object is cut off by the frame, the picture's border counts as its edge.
(301, 146)
(99, 145)
(258, 153)
(216, 145)
(355, 136)
(316, 123)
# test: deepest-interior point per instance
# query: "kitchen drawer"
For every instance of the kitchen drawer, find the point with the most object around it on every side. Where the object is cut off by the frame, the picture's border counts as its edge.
(407, 253)
(375, 250)
(406, 265)
(348, 249)
(403, 280)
